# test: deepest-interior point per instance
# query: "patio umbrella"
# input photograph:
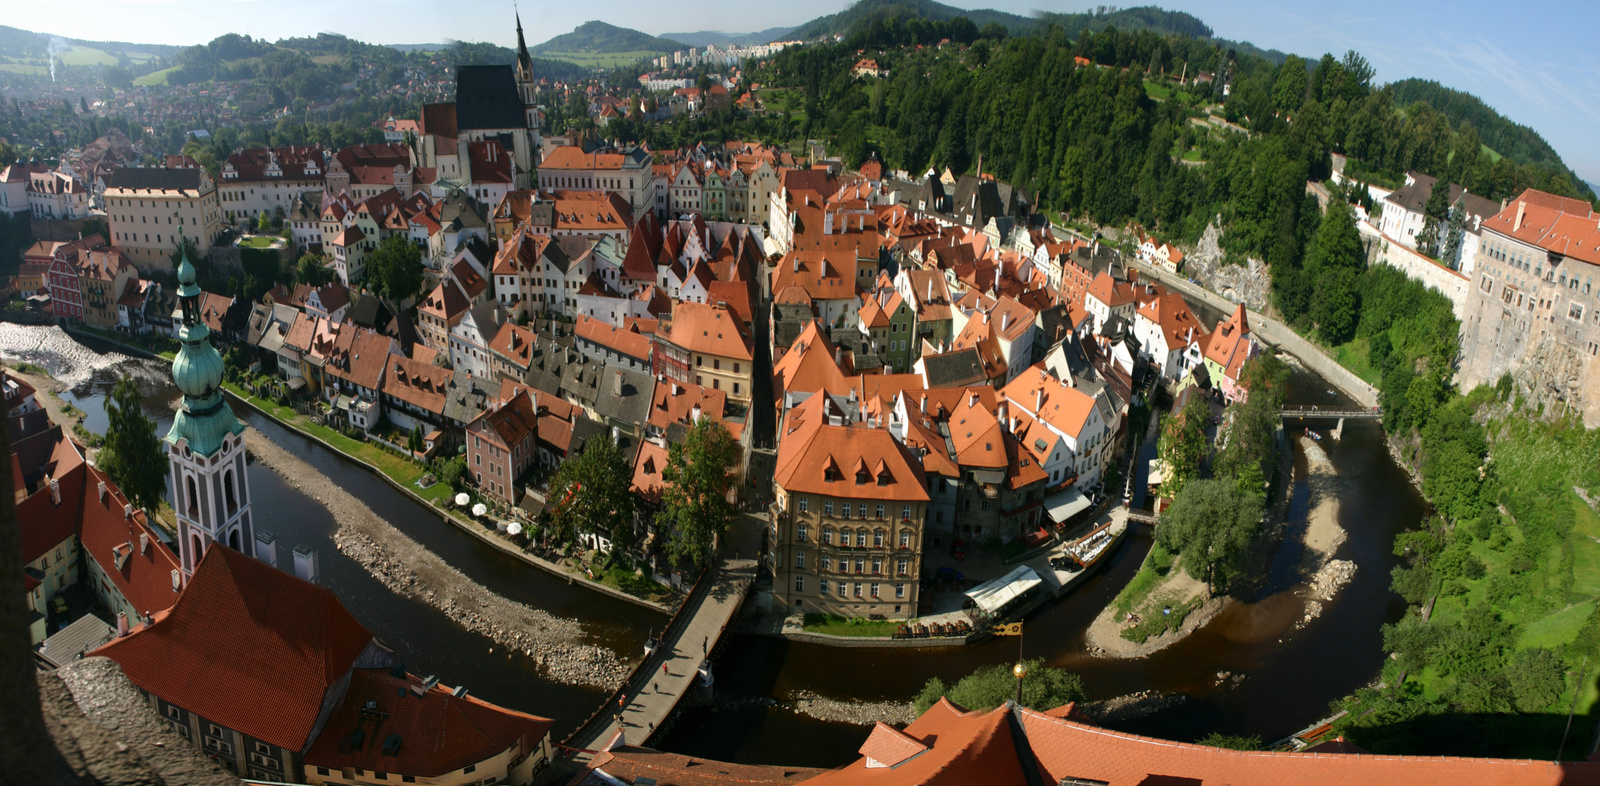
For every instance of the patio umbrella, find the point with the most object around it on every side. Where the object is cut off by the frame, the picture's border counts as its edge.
(515, 528)
(462, 499)
(480, 509)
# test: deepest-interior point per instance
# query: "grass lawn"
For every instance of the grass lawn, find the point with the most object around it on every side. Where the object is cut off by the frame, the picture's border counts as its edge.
(638, 586)
(601, 59)
(1158, 92)
(1155, 568)
(1155, 623)
(1353, 356)
(850, 626)
(400, 469)
(1192, 155)
(258, 241)
(155, 77)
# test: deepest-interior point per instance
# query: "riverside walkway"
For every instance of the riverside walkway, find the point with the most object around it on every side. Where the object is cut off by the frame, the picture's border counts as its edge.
(661, 680)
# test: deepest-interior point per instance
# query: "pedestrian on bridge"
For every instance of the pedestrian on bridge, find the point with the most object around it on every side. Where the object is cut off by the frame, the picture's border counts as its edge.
(664, 670)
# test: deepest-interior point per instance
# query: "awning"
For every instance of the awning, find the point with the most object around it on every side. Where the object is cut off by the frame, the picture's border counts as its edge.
(296, 383)
(1156, 470)
(994, 594)
(342, 402)
(1066, 504)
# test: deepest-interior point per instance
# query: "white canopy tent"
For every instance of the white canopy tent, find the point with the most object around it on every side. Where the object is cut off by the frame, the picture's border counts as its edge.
(1066, 504)
(994, 594)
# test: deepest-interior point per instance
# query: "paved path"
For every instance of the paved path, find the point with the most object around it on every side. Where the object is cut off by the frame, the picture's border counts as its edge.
(1277, 334)
(671, 671)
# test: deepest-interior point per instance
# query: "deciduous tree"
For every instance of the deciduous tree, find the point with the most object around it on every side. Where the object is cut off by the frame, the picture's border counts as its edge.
(699, 477)
(1183, 445)
(394, 268)
(1044, 688)
(590, 495)
(132, 455)
(1211, 524)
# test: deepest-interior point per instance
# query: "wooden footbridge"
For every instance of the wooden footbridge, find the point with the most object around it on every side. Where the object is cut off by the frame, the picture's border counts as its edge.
(1304, 412)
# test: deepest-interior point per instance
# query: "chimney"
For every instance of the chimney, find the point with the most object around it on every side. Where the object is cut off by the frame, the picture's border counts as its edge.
(985, 317)
(122, 624)
(127, 511)
(55, 491)
(1000, 414)
(305, 563)
(616, 384)
(930, 291)
(102, 491)
(267, 547)
(797, 264)
(1038, 401)
(1005, 320)
(1522, 207)
(144, 543)
(694, 414)
(838, 355)
(924, 404)
(177, 580)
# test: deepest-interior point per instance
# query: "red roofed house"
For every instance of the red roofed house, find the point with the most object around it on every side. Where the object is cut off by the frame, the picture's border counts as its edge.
(603, 343)
(847, 517)
(1169, 334)
(706, 345)
(104, 276)
(501, 444)
(1226, 351)
(295, 676)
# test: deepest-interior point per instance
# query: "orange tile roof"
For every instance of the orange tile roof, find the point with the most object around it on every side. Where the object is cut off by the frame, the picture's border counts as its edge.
(964, 748)
(1051, 400)
(417, 382)
(439, 732)
(514, 343)
(1178, 324)
(1112, 292)
(809, 365)
(1229, 345)
(1557, 224)
(145, 577)
(288, 641)
(674, 402)
(568, 157)
(844, 461)
(647, 467)
(626, 342)
(628, 764)
(709, 330)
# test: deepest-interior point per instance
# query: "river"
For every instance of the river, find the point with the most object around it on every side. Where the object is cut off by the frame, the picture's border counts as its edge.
(1280, 679)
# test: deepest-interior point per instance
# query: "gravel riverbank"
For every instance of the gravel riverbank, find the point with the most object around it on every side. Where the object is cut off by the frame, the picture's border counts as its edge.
(405, 566)
(860, 713)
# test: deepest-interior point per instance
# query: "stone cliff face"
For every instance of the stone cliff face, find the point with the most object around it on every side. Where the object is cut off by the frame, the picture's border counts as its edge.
(1561, 379)
(1249, 284)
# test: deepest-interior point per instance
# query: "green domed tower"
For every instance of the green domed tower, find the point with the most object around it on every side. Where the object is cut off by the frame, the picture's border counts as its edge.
(205, 447)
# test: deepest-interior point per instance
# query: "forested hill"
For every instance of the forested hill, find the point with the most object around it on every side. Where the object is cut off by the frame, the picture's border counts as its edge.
(599, 37)
(864, 12)
(719, 38)
(1506, 137)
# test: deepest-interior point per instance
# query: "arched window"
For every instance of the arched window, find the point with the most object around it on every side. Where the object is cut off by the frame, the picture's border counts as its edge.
(194, 543)
(227, 492)
(194, 497)
(233, 540)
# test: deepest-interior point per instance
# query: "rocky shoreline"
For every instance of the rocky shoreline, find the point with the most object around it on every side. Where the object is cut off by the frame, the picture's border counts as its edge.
(860, 713)
(556, 644)
(1131, 706)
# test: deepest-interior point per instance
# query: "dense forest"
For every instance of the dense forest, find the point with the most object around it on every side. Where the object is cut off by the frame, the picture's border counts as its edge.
(598, 36)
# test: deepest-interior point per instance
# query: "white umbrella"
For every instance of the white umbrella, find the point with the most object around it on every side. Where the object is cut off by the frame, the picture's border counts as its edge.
(480, 509)
(462, 499)
(515, 528)
(503, 526)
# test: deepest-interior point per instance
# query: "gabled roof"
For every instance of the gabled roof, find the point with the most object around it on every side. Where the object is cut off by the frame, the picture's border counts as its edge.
(625, 342)
(1556, 224)
(1229, 345)
(1049, 399)
(709, 330)
(809, 366)
(816, 457)
(106, 531)
(647, 466)
(1178, 324)
(288, 641)
(631, 765)
(438, 731)
(962, 748)
(418, 383)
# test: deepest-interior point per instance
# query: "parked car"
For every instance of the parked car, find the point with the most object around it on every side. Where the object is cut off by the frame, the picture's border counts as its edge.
(948, 574)
(58, 604)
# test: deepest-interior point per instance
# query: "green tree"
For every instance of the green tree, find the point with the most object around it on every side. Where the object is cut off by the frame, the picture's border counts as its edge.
(1231, 741)
(312, 270)
(394, 268)
(1433, 215)
(699, 476)
(590, 495)
(1337, 306)
(132, 455)
(264, 224)
(1183, 445)
(1211, 525)
(1289, 89)
(1044, 688)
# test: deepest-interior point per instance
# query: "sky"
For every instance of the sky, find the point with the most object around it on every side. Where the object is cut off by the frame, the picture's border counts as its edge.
(1533, 60)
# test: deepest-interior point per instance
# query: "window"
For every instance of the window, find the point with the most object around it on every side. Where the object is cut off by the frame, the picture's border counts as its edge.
(861, 565)
(803, 506)
(214, 730)
(905, 513)
(901, 565)
(469, 769)
(827, 508)
(827, 536)
(799, 583)
(877, 565)
(263, 748)
(880, 516)
(877, 535)
(827, 562)
(173, 712)
(861, 538)
(858, 589)
(823, 588)
(799, 559)
(874, 589)
(801, 533)
(322, 770)
(905, 540)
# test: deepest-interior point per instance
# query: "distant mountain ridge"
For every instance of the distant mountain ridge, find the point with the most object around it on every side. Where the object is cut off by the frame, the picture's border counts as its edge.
(600, 38)
(719, 38)
(865, 11)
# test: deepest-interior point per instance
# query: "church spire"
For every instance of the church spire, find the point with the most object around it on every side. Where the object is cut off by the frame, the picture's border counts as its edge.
(524, 61)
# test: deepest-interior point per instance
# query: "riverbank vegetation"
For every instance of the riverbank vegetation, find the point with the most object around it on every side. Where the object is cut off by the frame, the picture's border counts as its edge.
(1044, 688)
(854, 627)
(132, 455)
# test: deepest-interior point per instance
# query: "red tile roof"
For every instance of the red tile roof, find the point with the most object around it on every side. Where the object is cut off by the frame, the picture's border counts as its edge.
(48, 522)
(709, 330)
(1229, 345)
(629, 764)
(647, 467)
(626, 342)
(1556, 224)
(964, 748)
(145, 577)
(888, 746)
(439, 733)
(246, 646)
(815, 457)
